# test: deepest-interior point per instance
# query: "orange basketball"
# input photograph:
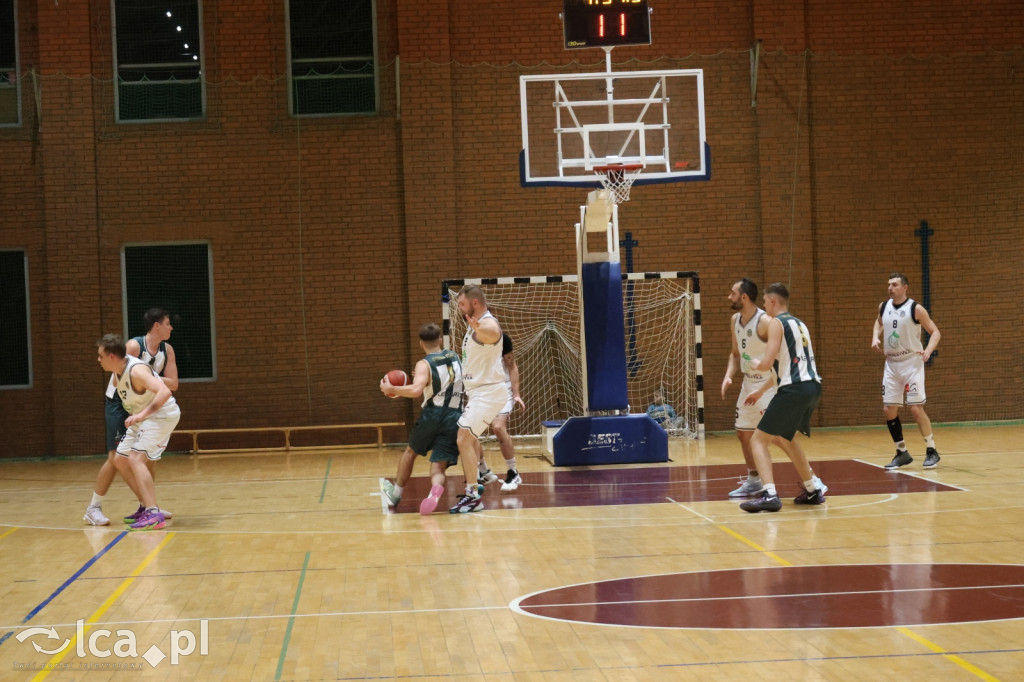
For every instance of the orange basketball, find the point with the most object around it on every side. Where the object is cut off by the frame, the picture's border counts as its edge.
(397, 378)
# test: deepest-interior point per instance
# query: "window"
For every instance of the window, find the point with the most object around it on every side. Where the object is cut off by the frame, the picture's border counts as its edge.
(15, 346)
(157, 48)
(332, 62)
(178, 278)
(10, 92)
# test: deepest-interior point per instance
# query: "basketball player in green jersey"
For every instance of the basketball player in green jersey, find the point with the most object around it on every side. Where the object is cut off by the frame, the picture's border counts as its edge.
(790, 352)
(900, 320)
(438, 378)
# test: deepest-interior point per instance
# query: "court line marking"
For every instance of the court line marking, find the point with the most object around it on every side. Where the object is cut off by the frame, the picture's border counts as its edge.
(796, 515)
(5, 534)
(39, 607)
(913, 474)
(291, 619)
(98, 613)
(974, 670)
(327, 475)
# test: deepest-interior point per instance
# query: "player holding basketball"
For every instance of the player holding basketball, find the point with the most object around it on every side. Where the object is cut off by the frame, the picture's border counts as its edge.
(749, 340)
(153, 414)
(499, 427)
(438, 378)
(153, 349)
(901, 319)
(486, 392)
(789, 349)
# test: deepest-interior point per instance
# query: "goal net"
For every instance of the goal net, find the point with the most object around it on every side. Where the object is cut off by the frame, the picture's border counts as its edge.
(661, 318)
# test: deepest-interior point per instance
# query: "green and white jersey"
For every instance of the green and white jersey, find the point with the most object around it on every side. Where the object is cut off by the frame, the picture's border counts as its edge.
(445, 387)
(796, 355)
(901, 333)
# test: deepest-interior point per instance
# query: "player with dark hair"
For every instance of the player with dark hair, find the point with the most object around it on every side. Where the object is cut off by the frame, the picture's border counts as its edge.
(153, 349)
(901, 319)
(152, 416)
(789, 350)
(438, 378)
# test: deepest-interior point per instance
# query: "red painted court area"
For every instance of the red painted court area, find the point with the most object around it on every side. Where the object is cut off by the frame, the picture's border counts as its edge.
(842, 596)
(654, 485)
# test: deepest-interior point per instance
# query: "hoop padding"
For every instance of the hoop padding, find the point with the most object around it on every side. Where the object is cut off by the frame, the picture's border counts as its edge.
(618, 179)
(660, 322)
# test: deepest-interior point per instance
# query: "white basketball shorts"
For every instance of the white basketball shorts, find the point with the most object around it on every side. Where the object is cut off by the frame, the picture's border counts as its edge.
(484, 403)
(151, 435)
(904, 377)
(748, 416)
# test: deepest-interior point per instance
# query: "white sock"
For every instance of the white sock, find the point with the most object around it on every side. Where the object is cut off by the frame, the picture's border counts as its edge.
(482, 467)
(398, 490)
(510, 464)
(902, 445)
(770, 487)
(929, 440)
(97, 501)
(809, 485)
(753, 477)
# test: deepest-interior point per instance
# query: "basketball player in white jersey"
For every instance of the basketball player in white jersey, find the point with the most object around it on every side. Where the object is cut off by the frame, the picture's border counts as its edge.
(153, 349)
(499, 427)
(749, 339)
(790, 352)
(153, 414)
(483, 376)
(900, 320)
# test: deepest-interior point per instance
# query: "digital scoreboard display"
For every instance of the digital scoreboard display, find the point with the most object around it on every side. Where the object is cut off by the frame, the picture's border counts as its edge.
(605, 23)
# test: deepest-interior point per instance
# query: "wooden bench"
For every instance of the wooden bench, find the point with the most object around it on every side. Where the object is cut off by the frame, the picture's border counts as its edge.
(287, 432)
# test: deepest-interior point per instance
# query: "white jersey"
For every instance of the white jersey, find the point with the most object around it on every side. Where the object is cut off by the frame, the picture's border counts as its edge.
(158, 362)
(481, 362)
(796, 355)
(901, 333)
(135, 402)
(751, 347)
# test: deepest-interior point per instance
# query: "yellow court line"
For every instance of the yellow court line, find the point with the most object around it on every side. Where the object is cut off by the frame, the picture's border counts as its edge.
(751, 543)
(3, 535)
(974, 670)
(57, 658)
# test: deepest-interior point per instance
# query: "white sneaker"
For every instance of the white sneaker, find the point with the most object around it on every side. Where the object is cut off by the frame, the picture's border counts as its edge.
(819, 484)
(167, 515)
(512, 481)
(486, 477)
(94, 517)
(748, 488)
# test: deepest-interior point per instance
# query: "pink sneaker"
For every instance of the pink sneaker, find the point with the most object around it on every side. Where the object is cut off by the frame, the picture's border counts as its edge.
(429, 503)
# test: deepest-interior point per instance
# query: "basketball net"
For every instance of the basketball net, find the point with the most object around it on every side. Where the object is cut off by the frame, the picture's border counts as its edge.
(618, 178)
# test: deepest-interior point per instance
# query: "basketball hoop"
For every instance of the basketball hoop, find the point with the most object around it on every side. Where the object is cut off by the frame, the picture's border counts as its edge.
(618, 178)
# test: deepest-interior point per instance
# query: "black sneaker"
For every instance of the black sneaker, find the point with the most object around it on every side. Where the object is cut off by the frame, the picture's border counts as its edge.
(763, 502)
(931, 458)
(901, 459)
(817, 497)
(466, 504)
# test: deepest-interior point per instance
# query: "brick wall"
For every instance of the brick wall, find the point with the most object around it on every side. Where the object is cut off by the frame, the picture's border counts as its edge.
(330, 236)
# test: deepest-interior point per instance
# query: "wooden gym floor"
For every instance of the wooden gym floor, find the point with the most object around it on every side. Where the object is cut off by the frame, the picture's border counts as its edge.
(288, 567)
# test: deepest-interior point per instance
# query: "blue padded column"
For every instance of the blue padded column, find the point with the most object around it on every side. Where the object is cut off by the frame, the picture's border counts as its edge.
(605, 336)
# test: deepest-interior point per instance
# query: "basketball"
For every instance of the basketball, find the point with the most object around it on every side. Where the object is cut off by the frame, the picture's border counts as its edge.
(397, 377)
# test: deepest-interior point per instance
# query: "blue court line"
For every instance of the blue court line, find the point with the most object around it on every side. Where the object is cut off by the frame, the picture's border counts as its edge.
(67, 582)
(326, 475)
